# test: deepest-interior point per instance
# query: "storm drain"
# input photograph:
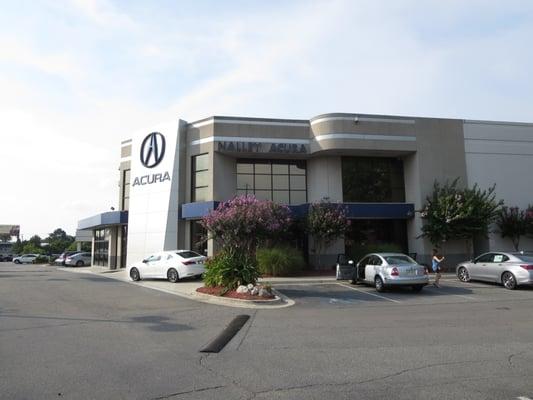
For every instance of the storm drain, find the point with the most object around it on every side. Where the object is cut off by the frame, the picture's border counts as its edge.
(226, 335)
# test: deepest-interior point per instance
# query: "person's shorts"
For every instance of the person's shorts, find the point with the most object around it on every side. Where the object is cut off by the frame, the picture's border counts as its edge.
(437, 269)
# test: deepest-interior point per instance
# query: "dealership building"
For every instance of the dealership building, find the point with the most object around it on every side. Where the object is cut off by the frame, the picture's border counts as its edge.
(380, 167)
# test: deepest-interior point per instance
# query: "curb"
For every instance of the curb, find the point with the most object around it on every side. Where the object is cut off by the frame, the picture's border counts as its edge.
(280, 301)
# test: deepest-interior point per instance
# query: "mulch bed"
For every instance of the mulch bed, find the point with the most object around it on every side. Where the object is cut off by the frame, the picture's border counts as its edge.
(215, 291)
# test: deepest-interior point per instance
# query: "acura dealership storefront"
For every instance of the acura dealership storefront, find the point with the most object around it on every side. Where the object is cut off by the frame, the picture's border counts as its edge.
(380, 167)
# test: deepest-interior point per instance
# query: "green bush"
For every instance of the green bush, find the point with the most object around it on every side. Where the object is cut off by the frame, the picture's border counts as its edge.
(278, 261)
(230, 269)
(41, 260)
(358, 252)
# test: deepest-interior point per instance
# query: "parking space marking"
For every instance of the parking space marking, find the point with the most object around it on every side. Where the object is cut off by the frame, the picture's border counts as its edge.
(371, 294)
(523, 398)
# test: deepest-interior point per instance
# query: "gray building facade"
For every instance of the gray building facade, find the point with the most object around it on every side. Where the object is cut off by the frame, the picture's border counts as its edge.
(380, 167)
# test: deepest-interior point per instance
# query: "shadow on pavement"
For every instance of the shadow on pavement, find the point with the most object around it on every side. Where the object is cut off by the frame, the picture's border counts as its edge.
(160, 324)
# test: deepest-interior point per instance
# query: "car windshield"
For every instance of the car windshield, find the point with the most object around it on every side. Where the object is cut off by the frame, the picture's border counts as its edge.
(188, 254)
(399, 260)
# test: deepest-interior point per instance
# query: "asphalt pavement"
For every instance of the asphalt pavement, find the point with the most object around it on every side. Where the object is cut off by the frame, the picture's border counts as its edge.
(83, 336)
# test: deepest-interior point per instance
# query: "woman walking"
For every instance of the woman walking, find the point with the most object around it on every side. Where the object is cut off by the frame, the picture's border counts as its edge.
(435, 265)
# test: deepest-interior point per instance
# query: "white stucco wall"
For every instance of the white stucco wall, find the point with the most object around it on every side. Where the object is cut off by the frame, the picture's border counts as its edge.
(501, 153)
(153, 212)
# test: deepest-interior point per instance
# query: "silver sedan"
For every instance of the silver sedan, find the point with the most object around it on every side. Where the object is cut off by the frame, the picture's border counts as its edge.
(390, 269)
(509, 269)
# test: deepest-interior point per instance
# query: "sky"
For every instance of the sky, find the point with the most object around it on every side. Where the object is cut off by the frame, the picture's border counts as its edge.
(79, 76)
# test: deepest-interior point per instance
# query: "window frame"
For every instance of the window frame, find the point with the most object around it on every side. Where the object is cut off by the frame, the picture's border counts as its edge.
(288, 172)
(194, 171)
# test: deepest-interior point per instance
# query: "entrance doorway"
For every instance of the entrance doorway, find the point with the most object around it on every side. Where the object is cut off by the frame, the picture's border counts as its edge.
(375, 235)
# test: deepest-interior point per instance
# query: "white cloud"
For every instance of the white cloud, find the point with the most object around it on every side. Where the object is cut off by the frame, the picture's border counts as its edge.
(103, 13)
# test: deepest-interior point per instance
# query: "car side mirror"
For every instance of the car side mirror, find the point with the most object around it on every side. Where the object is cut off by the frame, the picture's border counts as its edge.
(145, 260)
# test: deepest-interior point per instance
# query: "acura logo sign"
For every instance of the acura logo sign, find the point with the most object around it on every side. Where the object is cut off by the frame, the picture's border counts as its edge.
(152, 149)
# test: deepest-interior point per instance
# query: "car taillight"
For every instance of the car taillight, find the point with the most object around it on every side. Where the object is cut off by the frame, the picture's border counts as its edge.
(529, 267)
(395, 272)
(189, 262)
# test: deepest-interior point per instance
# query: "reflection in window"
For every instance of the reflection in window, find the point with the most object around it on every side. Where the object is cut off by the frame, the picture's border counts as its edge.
(200, 178)
(372, 179)
(281, 181)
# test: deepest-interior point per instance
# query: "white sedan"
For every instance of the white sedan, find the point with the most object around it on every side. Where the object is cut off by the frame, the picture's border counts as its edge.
(25, 259)
(172, 265)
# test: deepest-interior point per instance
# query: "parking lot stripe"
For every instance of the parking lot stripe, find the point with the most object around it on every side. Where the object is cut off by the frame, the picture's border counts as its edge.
(371, 294)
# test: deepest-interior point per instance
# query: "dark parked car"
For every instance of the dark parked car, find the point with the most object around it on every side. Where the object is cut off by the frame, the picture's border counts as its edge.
(6, 257)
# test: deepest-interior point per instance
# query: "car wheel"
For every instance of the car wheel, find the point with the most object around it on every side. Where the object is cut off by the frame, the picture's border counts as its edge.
(463, 275)
(80, 263)
(172, 275)
(417, 288)
(134, 275)
(509, 281)
(16, 262)
(378, 283)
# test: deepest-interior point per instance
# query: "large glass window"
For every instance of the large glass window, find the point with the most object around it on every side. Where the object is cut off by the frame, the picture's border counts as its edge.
(372, 179)
(126, 189)
(278, 180)
(200, 177)
(101, 247)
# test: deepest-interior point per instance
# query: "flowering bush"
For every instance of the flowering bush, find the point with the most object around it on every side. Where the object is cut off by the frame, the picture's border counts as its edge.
(244, 222)
(239, 226)
(513, 223)
(326, 222)
(453, 213)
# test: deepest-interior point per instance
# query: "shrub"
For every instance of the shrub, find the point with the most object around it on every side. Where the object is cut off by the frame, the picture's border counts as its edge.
(451, 212)
(512, 223)
(230, 269)
(240, 225)
(279, 261)
(41, 260)
(326, 222)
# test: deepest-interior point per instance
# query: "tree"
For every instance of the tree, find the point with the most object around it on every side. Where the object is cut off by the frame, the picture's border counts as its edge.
(453, 213)
(529, 220)
(512, 223)
(58, 241)
(326, 222)
(35, 241)
(17, 247)
(5, 237)
(239, 226)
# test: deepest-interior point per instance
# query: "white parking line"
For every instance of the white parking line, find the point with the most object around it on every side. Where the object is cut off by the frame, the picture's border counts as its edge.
(523, 398)
(371, 294)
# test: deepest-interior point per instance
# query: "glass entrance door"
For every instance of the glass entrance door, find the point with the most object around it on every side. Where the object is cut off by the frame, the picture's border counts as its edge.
(374, 236)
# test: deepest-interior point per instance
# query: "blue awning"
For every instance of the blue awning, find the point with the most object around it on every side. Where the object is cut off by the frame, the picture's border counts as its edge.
(104, 219)
(197, 210)
(353, 210)
(380, 210)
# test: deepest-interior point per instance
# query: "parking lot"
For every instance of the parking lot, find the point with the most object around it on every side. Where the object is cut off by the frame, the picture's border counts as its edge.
(343, 294)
